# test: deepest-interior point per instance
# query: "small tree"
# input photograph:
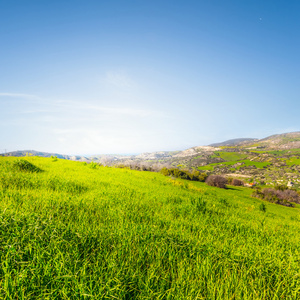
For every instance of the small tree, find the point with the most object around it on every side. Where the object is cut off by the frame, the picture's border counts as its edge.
(216, 180)
(237, 182)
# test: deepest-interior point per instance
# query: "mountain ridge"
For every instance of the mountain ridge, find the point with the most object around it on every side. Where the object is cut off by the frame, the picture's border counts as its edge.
(284, 141)
(233, 142)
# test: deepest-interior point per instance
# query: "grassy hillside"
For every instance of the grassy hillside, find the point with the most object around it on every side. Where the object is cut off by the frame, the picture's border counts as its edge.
(69, 230)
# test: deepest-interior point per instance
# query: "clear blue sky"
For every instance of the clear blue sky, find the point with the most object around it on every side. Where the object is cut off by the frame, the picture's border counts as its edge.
(90, 77)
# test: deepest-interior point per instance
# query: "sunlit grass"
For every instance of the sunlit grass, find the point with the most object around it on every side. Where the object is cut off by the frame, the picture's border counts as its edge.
(293, 161)
(74, 231)
(242, 163)
(230, 156)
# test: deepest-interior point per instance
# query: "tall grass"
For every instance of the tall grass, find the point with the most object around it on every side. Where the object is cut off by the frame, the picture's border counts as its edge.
(75, 232)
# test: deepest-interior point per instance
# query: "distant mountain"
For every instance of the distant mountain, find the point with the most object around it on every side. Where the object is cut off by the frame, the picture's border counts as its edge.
(195, 151)
(43, 154)
(243, 158)
(192, 157)
(234, 142)
(284, 141)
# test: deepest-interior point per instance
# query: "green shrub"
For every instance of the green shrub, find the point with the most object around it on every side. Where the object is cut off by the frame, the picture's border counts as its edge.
(26, 166)
(122, 166)
(281, 187)
(194, 175)
(262, 207)
(229, 180)
(165, 171)
(93, 165)
(54, 158)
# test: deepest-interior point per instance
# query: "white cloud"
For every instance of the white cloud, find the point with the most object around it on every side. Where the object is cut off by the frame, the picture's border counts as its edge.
(92, 109)
(70, 107)
(18, 95)
(87, 126)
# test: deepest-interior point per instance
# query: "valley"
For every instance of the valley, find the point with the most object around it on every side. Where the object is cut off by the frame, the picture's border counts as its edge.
(269, 161)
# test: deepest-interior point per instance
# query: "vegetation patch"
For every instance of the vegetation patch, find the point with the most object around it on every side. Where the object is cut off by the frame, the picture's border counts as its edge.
(242, 163)
(279, 196)
(293, 161)
(257, 164)
(194, 175)
(63, 185)
(26, 166)
(237, 182)
(139, 235)
(217, 181)
(230, 156)
(209, 167)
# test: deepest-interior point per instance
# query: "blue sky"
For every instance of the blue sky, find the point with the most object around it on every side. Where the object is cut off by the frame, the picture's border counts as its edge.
(91, 77)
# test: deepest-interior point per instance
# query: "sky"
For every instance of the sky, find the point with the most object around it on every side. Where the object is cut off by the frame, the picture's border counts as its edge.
(94, 77)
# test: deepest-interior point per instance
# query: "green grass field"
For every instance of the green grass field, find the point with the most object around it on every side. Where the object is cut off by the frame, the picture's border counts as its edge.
(293, 161)
(230, 156)
(277, 152)
(69, 230)
(257, 164)
(245, 163)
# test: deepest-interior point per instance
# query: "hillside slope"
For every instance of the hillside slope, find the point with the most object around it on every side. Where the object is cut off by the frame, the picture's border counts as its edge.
(283, 141)
(22, 153)
(234, 142)
(70, 230)
(272, 160)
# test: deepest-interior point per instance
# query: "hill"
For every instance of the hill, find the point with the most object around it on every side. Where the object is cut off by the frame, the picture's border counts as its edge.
(272, 160)
(22, 153)
(71, 230)
(234, 142)
(285, 141)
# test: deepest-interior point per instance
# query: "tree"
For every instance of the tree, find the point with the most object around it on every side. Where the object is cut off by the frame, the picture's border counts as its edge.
(216, 180)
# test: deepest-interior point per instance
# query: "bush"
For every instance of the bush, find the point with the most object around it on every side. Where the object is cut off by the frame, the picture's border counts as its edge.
(25, 165)
(281, 187)
(216, 180)
(94, 165)
(202, 177)
(282, 197)
(229, 180)
(262, 207)
(165, 171)
(54, 158)
(194, 175)
(122, 166)
(237, 182)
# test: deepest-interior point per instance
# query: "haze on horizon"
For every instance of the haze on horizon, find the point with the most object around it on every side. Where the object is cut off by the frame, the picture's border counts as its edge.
(89, 77)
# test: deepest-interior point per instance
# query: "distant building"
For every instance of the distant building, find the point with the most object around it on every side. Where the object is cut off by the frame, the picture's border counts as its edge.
(251, 184)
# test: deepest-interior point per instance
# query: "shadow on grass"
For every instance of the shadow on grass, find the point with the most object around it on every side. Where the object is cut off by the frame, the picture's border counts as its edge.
(233, 188)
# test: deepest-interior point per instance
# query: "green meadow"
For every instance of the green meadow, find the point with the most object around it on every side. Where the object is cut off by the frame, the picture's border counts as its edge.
(277, 152)
(69, 230)
(244, 163)
(230, 156)
(293, 161)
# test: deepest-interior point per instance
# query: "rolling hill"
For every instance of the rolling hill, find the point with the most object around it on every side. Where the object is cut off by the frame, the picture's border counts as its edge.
(71, 230)
(234, 142)
(270, 160)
